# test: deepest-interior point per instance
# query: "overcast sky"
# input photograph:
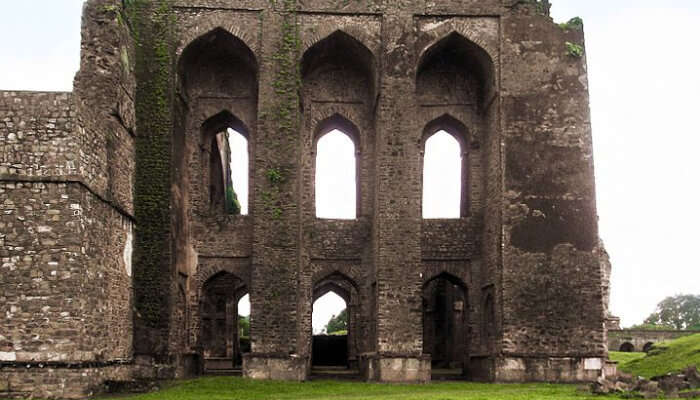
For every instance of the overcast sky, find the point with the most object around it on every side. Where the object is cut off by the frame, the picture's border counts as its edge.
(643, 63)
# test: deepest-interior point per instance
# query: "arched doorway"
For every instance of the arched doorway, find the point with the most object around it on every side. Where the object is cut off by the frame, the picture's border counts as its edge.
(336, 323)
(627, 347)
(330, 339)
(445, 325)
(220, 335)
(647, 346)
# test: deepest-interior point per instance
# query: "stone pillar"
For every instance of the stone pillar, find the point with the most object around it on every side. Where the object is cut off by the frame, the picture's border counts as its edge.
(398, 219)
(275, 326)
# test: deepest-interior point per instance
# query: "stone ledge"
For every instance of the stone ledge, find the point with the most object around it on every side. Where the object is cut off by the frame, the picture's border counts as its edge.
(68, 180)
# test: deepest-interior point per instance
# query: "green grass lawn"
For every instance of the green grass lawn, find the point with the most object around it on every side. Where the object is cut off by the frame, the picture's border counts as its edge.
(663, 358)
(230, 388)
(622, 358)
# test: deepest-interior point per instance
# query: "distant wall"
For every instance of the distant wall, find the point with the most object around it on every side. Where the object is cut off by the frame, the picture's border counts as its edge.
(640, 339)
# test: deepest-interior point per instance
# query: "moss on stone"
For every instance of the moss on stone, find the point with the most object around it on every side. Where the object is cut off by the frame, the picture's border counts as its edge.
(153, 24)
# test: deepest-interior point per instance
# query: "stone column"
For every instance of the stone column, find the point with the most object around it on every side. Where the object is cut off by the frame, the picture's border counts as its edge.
(398, 214)
(274, 285)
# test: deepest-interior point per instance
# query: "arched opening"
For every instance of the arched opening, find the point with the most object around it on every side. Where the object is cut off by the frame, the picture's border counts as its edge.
(220, 324)
(442, 177)
(336, 176)
(456, 72)
(445, 325)
(647, 346)
(627, 347)
(454, 82)
(218, 64)
(330, 326)
(217, 71)
(338, 78)
(227, 156)
(339, 68)
(336, 321)
(228, 172)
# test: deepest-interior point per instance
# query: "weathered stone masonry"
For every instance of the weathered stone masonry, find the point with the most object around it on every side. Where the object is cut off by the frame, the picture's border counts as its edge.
(511, 291)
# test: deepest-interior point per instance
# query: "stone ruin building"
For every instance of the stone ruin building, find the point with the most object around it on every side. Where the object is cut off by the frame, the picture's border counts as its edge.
(120, 258)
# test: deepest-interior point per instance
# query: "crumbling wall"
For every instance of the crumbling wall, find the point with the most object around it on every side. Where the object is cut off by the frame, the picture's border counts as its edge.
(552, 283)
(67, 234)
(79, 169)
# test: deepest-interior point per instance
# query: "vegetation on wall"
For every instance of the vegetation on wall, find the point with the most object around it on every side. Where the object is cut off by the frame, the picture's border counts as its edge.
(152, 24)
(575, 23)
(574, 50)
(284, 113)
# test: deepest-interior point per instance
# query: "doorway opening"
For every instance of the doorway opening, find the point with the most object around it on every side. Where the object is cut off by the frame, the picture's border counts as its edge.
(445, 326)
(330, 328)
(224, 337)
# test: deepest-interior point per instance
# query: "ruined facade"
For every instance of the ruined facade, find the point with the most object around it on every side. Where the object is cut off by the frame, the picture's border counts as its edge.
(120, 260)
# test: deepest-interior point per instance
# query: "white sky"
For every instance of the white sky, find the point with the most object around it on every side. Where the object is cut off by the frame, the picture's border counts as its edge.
(336, 188)
(643, 63)
(239, 167)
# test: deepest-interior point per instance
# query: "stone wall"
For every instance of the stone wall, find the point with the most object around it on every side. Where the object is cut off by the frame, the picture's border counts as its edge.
(641, 340)
(552, 283)
(67, 225)
(520, 268)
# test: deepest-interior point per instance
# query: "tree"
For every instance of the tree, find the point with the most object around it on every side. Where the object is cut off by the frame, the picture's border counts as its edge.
(243, 326)
(338, 323)
(678, 312)
(651, 327)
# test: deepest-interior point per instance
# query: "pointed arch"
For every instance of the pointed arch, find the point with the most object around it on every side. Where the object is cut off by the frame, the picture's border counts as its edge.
(223, 120)
(217, 173)
(357, 32)
(338, 44)
(446, 321)
(453, 279)
(468, 66)
(341, 123)
(328, 287)
(218, 61)
(335, 276)
(344, 61)
(451, 125)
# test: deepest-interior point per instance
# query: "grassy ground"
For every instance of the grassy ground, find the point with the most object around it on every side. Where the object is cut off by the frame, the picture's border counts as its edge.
(623, 358)
(229, 388)
(663, 358)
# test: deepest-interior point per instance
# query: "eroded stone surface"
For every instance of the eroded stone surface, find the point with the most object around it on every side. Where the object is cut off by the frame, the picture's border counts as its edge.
(519, 279)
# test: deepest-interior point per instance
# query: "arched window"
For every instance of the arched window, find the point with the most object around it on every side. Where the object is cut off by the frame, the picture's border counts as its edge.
(225, 147)
(442, 177)
(336, 176)
(228, 172)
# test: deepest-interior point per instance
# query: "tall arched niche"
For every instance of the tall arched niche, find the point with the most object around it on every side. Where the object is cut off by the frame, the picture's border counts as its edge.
(339, 74)
(456, 71)
(216, 90)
